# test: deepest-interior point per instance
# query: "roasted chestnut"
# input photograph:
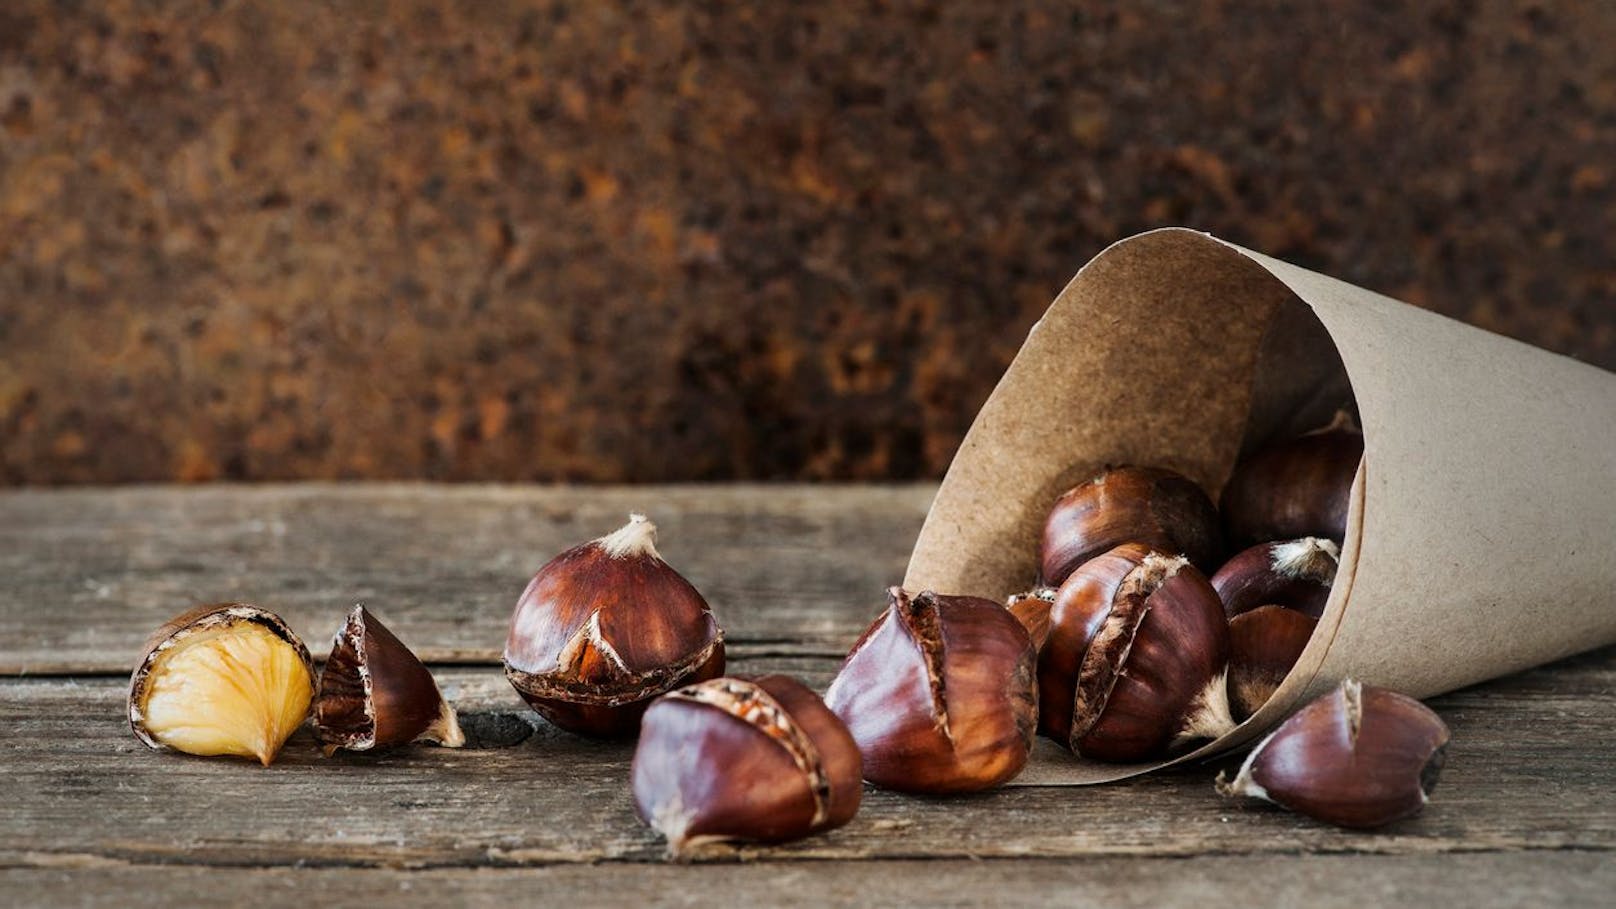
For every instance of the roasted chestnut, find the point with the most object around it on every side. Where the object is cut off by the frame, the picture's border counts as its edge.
(1300, 487)
(604, 628)
(743, 759)
(1160, 508)
(940, 694)
(226, 679)
(1264, 644)
(1292, 573)
(1357, 757)
(1135, 661)
(375, 693)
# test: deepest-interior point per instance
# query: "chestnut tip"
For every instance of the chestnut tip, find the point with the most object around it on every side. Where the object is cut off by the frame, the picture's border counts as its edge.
(1298, 574)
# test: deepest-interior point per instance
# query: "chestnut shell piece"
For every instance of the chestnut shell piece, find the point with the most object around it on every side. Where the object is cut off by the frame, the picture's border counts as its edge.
(604, 628)
(201, 619)
(1264, 644)
(1300, 487)
(1294, 573)
(1136, 658)
(375, 693)
(743, 759)
(1160, 508)
(1032, 609)
(940, 695)
(1358, 756)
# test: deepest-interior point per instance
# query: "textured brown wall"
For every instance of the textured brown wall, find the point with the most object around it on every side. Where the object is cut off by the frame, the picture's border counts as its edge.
(575, 240)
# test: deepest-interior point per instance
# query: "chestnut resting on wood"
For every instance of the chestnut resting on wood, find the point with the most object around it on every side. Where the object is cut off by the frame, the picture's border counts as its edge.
(604, 628)
(375, 693)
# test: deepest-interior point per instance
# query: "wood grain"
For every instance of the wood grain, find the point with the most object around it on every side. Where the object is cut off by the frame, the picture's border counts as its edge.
(90, 572)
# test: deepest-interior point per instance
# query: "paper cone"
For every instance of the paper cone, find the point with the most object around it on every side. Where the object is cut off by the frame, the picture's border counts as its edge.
(1483, 518)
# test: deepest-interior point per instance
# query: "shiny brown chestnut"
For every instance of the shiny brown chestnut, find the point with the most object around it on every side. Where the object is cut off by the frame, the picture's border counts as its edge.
(224, 679)
(1300, 487)
(1031, 609)
(1160, 508)
(604, 628)
(940, 694)
(1357, 757)
(1136, 658)
(1292, 573)
(1264, 644)
(743, 759)
(375, 693)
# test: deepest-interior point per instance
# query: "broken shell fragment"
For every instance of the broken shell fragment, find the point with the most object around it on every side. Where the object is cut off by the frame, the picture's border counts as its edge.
(743, 759)
(225, 679)
(1358, 756)
(375, 693)
(606, 627)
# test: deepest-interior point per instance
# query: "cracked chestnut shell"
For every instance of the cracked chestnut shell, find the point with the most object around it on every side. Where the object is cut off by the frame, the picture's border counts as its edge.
(743, 759)
(604, 628)
(1136, 658)
(1358, 756)
(1300, 487)
(375, 693)
(222, 679)
(1264, 643)
(940, 695)
(1160, 508)
(1296, 574)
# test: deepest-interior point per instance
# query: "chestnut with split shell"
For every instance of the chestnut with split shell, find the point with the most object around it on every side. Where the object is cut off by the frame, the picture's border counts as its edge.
(375, 693)
(743, 760)
(1358, 756)
(1135, 663)
(604, 628)
(1296, 574)
(224, 679)
(939, 693)
(1300, 487)
(1159, 508)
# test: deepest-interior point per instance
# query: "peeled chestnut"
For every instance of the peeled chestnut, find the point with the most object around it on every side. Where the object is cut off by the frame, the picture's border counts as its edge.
(604, 628)
(1135, 661)
(1357, 757)
(1031, 609)
(227, 679)
(940, 694)
(1300, 487)
(1264, 644)
(1292, 573)
(375, 693)
(743, 759)
(1160, 508)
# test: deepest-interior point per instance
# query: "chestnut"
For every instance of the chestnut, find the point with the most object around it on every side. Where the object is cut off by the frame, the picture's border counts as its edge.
(375, 693)
(743, 759)
(224, 679)
(1300, 487)
(939, 693)
(1157, 507)
(1135, 662)
(1264, 644)
(1031, 609)
(1292, 573)
(1358, 756)
(604, 628)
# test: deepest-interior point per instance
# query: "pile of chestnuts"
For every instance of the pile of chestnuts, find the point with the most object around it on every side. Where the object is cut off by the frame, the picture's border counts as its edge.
(1139, 639)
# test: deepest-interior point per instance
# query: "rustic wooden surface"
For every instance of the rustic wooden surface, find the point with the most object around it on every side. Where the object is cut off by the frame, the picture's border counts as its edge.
(1525, 813)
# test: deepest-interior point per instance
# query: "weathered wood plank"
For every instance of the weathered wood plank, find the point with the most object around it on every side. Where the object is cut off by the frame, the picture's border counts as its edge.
(88, 573)
(1529, 769)
(1475, 881)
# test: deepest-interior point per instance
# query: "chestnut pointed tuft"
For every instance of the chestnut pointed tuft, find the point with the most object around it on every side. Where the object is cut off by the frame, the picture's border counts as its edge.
(375, 693)
(604, 628)
(939, 693)
(1358, 756)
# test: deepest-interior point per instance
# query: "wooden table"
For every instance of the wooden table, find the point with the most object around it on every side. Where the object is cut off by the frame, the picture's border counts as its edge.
(525, 814)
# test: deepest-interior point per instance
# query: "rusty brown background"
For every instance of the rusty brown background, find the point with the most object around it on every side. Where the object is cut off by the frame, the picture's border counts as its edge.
(612, 241)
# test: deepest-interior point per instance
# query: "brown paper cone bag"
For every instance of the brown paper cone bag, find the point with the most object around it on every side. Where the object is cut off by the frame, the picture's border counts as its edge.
(1483, 518)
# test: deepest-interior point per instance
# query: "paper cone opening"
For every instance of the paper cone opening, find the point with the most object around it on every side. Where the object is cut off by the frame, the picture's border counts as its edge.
(1479, 539)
